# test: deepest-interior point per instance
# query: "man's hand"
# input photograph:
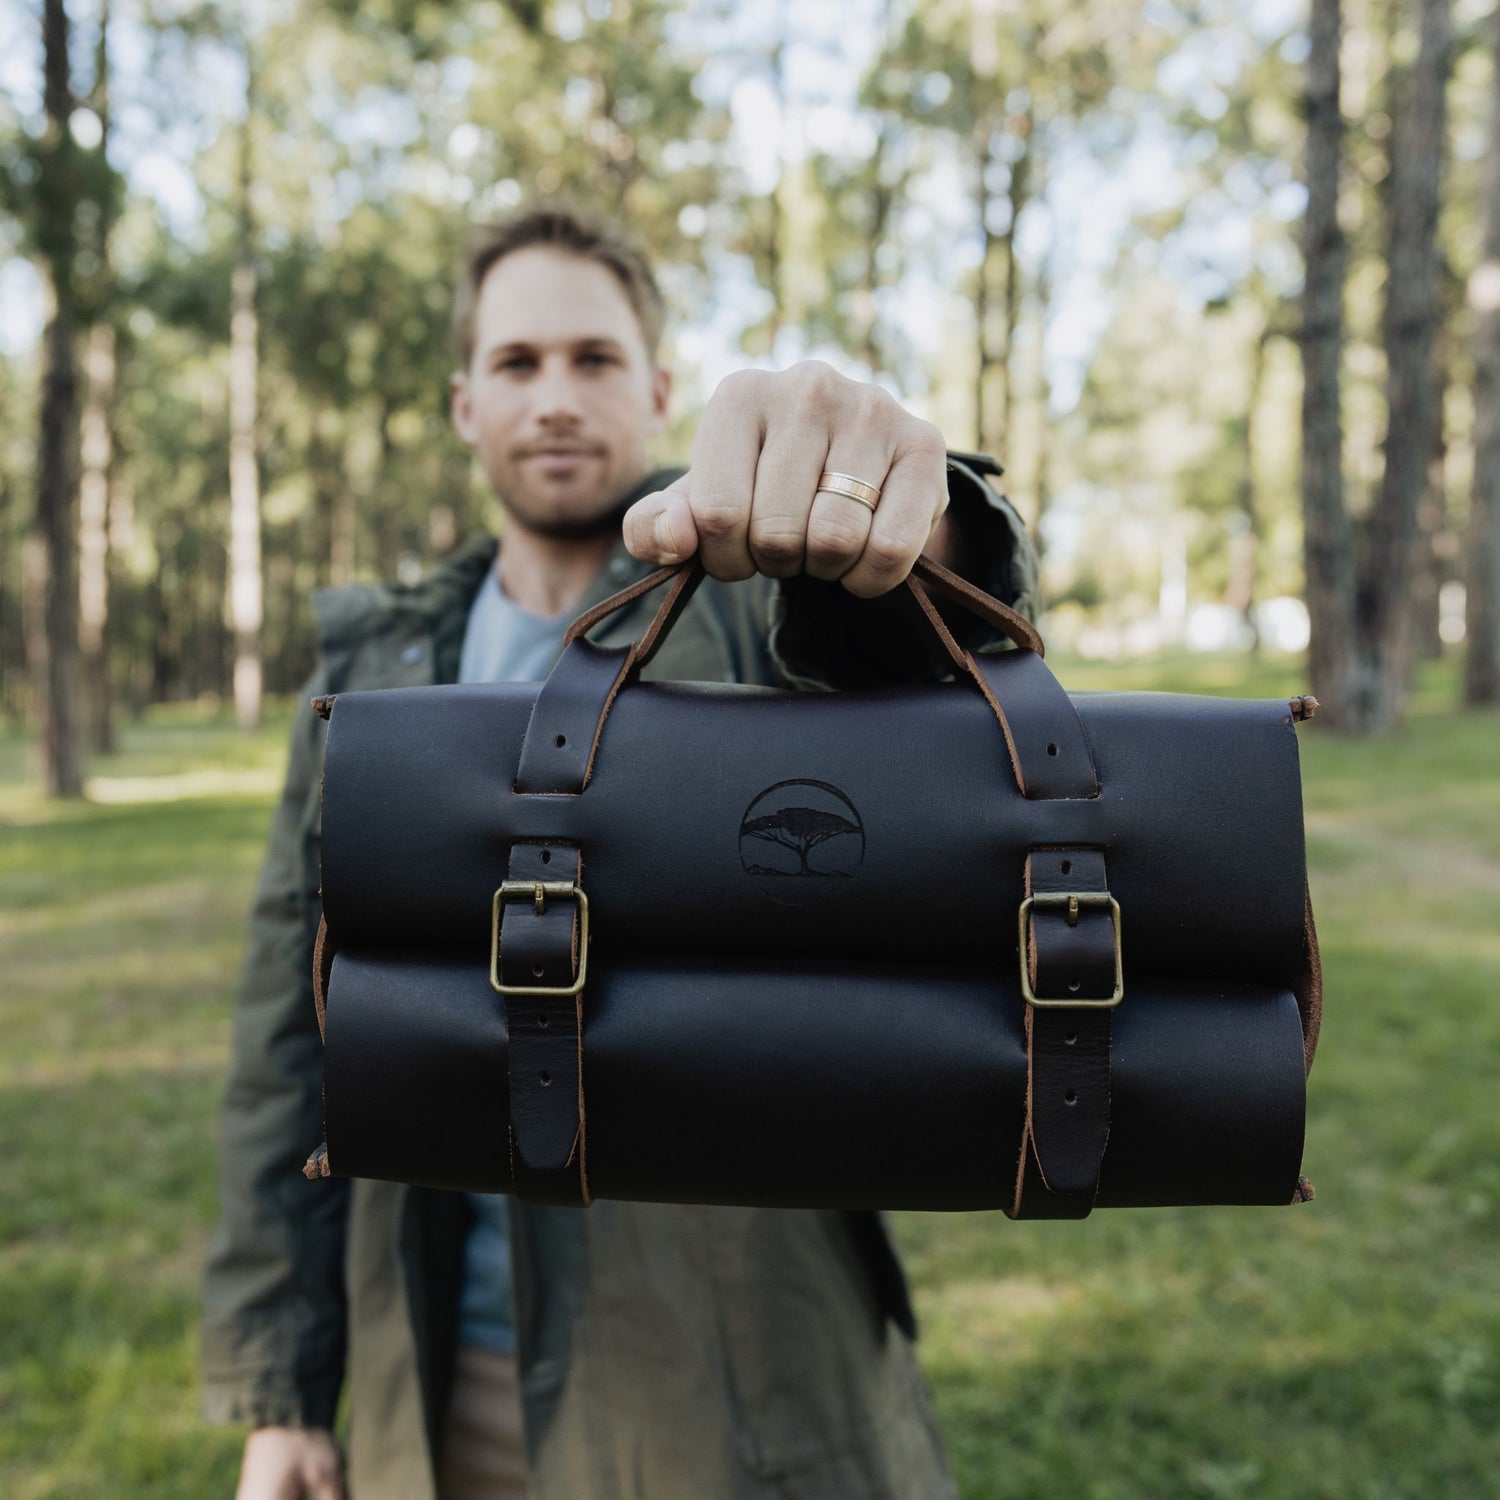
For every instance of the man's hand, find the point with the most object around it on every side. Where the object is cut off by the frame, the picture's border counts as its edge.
(291, 1463)
(749, 503)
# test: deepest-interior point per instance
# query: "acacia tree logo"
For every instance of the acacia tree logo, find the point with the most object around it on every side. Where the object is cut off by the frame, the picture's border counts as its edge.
(802, 828)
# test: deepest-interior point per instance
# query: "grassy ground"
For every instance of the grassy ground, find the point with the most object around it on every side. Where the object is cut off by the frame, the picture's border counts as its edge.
(1349, 1348)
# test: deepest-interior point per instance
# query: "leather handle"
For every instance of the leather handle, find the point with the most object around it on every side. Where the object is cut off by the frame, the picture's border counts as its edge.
(926, 574)
(1016, 628)
(1051, 759)
(684, 579)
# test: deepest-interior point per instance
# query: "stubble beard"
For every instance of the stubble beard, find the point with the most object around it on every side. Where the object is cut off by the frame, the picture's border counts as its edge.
(534, 513)
(572, 528)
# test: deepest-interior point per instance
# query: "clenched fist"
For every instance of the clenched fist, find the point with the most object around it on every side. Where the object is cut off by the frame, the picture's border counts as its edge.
(751, 503)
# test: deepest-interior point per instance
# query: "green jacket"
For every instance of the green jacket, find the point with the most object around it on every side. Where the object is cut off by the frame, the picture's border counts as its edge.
(665, 1351)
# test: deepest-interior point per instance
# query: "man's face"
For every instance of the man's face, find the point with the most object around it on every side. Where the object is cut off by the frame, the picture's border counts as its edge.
(560, 398)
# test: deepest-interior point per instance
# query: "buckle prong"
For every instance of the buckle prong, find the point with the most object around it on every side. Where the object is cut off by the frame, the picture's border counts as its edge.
(1071, 901)
(538, 891)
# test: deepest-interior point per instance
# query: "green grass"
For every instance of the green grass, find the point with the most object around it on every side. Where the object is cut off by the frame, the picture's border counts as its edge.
(1347, 1348)
(120, 932)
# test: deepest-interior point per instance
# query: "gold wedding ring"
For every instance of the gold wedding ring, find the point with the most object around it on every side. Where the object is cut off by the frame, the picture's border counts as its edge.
(850, 487)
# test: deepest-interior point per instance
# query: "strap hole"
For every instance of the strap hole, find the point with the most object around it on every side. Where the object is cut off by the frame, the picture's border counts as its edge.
(1067, 867)
(1071, 1039)
(560, 741)
(542, 1023)
(537, 970)
(1073, 986)
(546, 1078)
(546, 856)
(1051, 749)
(1069, 1098)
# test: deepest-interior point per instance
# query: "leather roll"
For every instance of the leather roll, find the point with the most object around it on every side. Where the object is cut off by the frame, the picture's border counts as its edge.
(723, 821)
(809, 1084)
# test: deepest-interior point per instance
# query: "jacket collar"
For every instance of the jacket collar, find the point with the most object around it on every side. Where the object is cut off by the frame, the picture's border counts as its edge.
(455, 583)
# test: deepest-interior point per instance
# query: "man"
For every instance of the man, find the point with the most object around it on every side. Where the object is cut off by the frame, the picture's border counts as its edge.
(658, 1351)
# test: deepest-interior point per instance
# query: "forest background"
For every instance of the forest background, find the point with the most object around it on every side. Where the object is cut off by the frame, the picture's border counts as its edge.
(1139, 250)
(1220, 283)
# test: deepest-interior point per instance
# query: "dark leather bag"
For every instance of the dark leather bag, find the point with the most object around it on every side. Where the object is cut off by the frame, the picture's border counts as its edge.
(968, 945)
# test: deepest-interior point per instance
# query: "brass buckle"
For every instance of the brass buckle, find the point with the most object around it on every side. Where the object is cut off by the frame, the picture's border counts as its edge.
(537, 891)
(1072, 900)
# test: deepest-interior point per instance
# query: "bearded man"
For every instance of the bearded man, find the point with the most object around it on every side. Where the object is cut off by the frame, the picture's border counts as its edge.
(493, 1349)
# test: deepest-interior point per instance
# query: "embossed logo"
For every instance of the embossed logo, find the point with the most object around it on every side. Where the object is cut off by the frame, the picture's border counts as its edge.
(797, 836)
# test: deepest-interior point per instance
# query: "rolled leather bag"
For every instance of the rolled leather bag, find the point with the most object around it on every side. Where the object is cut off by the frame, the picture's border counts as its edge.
(964, 945)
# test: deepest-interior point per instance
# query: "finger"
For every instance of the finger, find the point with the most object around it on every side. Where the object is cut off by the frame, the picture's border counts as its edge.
(322, 1476)
(802, 410)
(269, 1469)
(786, 478)
(659, 528)
(838, 529)
(914, 495)
(726, 454)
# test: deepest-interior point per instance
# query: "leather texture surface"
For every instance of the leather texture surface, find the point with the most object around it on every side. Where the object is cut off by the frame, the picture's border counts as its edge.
(805, 1085)
(1199, 816)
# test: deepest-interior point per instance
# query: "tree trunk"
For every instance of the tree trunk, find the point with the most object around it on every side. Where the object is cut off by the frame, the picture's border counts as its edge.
(984, 57)
(343, 524)
(13, 663)
(1245, 543)
(54, 636)
(882, 203)
(1328, 543)
(1482, 583)
(984, 359)
(1019, 195)
(1435, 542)
(1041, 484)
(245, 599)
(1383, 603)
(776, 229)
(882, 199)
(96, 452)
(93, 535)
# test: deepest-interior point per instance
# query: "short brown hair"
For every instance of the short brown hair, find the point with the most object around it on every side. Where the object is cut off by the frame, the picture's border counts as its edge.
(561, 225)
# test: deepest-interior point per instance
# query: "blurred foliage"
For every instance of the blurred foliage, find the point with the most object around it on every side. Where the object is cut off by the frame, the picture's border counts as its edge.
(803, 196)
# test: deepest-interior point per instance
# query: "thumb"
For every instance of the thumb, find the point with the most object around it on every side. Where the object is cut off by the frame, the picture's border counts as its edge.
(322, 1470)
(325, 1482)
(659, 528)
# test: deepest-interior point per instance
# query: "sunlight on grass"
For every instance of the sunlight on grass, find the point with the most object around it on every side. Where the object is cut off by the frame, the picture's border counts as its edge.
(262, 781)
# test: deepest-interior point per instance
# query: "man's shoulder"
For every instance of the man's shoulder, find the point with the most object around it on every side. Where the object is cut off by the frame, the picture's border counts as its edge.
(358, 614)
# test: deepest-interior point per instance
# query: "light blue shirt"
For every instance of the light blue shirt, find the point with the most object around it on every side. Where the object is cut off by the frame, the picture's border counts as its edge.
(502, 643)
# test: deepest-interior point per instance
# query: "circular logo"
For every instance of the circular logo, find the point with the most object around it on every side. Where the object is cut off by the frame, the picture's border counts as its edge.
(798, 838)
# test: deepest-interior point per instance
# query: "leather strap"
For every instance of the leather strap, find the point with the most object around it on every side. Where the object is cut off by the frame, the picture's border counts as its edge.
(1015, 627)
(567, 720)
(562, 738)
(1049, 752)
(557, 755)
(1070, 954)
(1068, 1060)
(539, 946)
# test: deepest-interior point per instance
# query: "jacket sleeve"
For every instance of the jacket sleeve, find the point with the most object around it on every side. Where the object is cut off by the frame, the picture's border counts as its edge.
(822, 636)
(274, 1304)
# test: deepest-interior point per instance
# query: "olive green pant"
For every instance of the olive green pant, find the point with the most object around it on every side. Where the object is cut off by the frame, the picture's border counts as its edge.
(484, 1451)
